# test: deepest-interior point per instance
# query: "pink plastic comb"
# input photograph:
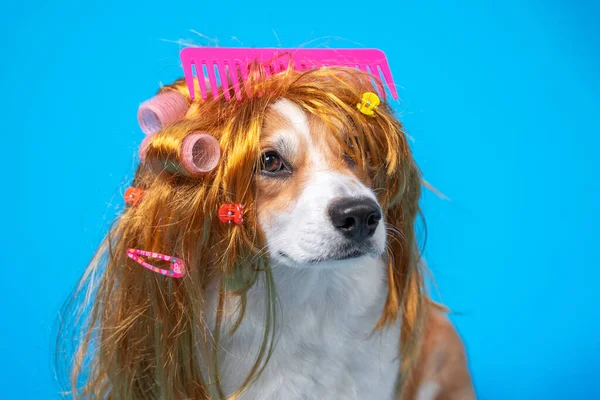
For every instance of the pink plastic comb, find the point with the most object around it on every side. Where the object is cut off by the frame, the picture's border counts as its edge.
(228, 60)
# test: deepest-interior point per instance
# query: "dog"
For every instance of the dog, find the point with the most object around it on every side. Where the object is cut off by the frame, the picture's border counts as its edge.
(326, 235)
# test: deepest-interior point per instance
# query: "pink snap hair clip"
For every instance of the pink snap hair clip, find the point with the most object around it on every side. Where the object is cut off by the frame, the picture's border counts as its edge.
(177, 267)
(200, 153)
(162, 110)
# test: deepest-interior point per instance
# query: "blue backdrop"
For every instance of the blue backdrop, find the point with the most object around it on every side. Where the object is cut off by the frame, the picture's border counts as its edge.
(502, 100)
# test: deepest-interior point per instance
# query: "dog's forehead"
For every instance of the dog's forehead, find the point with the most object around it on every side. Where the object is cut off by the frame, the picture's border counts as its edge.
(289, 126)
(295, 118)
(287, 129)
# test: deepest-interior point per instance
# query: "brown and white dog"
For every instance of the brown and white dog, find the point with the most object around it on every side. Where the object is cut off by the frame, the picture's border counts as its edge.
(331, 289)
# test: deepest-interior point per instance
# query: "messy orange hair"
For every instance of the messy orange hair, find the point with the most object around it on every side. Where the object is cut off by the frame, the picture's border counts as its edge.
(133, 333)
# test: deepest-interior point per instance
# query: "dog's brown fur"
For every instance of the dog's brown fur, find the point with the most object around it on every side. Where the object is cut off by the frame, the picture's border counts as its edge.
(441, 372)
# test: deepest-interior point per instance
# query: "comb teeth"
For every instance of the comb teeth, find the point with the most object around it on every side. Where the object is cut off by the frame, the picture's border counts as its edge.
(227, 60)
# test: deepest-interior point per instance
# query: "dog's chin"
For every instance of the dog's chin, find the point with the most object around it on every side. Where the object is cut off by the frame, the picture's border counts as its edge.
(334, 260)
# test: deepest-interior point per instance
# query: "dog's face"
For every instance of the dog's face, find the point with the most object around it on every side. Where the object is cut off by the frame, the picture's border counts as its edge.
(314, 207)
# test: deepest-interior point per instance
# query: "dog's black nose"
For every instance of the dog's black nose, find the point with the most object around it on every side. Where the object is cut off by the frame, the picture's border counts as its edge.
(356, 218)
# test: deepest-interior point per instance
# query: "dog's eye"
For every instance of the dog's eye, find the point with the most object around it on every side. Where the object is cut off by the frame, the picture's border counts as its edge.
(272, 164)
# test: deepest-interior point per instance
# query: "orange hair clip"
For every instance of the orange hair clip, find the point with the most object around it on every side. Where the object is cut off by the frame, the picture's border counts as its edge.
(232, 212)
(133, 196)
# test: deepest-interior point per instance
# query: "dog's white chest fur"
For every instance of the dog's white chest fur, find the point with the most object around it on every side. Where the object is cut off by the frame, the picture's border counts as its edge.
(325, 348)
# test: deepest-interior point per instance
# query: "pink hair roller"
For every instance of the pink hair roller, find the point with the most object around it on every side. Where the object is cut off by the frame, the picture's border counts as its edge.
(144, 147)
(161, 110)
(200, 153)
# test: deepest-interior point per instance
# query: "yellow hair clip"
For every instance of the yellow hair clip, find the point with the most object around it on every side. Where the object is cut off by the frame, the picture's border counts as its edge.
(369, 103)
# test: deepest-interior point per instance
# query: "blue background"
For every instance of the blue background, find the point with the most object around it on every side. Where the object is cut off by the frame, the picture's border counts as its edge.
(502, 100)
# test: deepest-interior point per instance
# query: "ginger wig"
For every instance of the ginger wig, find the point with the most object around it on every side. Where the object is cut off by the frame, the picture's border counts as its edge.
(129, 333)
